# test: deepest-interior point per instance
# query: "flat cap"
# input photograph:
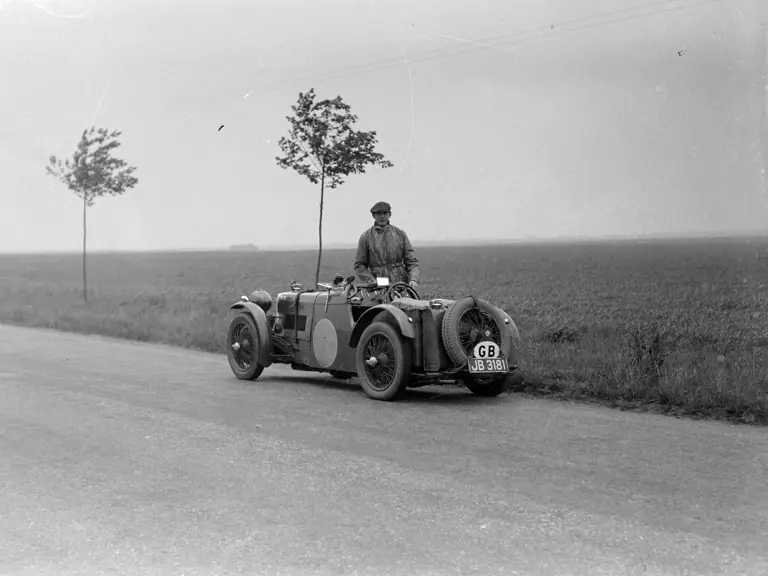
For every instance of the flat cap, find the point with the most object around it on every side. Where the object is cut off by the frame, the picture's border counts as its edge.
(381, 207)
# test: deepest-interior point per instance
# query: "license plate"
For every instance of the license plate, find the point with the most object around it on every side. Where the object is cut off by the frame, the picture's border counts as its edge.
(488, 365)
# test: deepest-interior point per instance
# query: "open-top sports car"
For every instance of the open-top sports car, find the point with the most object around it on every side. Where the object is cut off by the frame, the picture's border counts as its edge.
(384, 334)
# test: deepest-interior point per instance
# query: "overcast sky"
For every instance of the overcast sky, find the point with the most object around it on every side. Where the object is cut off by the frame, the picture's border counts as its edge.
(503, 119)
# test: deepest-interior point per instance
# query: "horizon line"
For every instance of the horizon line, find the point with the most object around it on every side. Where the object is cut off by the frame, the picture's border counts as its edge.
(243, 247)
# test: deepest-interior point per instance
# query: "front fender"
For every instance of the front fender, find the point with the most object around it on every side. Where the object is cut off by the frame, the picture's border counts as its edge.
(403, 322)
(265, 334)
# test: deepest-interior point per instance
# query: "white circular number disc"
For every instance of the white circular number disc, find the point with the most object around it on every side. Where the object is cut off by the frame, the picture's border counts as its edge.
(487, 350)
(324, 342)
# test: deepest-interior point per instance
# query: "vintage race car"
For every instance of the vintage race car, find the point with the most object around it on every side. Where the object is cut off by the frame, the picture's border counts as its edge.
(385, 335)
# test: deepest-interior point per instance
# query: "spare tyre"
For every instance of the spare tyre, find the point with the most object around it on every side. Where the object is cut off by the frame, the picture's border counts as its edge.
(469, 321)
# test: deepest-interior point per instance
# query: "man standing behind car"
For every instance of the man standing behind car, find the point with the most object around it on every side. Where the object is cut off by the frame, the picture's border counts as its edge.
(385, 250)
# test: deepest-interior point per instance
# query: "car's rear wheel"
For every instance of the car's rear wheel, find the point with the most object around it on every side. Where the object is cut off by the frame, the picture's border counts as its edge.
(383, 362)
(488, 386)
(243, 347)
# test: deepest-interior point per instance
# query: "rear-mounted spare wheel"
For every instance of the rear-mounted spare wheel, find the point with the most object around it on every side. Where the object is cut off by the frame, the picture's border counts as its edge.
(469, 321)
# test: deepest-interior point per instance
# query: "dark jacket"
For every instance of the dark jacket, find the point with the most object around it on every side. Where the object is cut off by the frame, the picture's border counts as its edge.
(386, 251)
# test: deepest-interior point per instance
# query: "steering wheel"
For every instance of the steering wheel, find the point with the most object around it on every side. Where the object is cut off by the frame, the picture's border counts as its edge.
(397, 290)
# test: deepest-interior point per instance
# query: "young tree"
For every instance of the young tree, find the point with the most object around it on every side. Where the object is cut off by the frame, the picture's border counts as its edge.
(93, 172)
(323, 147)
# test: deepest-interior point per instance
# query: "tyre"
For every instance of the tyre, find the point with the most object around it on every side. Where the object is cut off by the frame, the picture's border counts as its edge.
(487, 386)
(468, 322)
(243, 347)
(383, 362)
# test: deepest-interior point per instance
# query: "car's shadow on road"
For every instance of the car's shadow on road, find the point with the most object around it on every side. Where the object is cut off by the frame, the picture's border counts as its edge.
(433, 394)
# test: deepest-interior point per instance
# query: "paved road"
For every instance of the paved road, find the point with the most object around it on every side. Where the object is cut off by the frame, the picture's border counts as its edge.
(126, 458)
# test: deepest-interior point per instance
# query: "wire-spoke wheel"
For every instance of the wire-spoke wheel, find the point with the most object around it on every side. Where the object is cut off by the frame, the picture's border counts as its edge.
(243, 347)
(383, 362)
(476, 325)
(470, 321)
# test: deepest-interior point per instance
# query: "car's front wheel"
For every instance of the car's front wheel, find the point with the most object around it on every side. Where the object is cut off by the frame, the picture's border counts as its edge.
(243, 347)
(383, 362)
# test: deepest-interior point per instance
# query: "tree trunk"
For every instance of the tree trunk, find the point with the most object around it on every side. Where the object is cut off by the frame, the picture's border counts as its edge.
(764, 117)
(85, 284)
(320, 230)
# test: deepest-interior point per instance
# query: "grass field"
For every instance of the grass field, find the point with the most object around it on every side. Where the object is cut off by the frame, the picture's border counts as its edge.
(676, 326)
